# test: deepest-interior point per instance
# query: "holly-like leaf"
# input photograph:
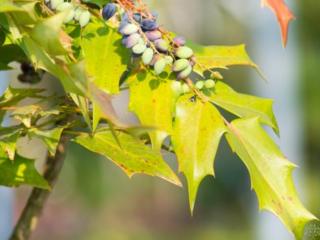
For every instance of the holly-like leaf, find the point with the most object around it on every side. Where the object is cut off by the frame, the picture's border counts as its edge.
(270, 173)
(221, 57)
(153, 99)
(244, 105)
(50, 137)
(54, 41)
(284, 16)
(8, 143)
(133, 156)
(105, 59)
(198, 129)
(20, 171)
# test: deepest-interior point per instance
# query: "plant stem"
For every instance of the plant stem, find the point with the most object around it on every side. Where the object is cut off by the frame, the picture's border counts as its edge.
(33, 209)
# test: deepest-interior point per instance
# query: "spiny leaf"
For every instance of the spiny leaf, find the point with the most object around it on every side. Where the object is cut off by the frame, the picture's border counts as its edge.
(270, 172)
(198, 129)
(20, 171)
(51, 29)
(50, 137)
(284, 16)
(153, 99)
(221, 57)
(244, 105)
(8, 143)
(105, 59)
(133, 156)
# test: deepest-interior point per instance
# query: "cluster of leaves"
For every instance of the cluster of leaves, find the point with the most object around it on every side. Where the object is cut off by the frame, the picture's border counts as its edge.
(92, 65)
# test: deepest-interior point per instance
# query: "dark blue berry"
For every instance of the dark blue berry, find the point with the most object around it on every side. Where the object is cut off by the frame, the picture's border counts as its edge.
(109, 10)
(149, 25)
(137, 17)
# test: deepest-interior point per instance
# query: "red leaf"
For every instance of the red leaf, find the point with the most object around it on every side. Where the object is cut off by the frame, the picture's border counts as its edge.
(283, 14)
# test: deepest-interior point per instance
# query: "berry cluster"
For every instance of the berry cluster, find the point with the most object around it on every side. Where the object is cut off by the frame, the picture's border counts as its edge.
(142, 34)
(75, 12)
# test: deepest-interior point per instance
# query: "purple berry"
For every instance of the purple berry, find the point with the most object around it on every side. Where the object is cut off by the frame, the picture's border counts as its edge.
(108, 11)
(179, 41)
(149, 25)
(153, 35)
(137, 17)
(161, 45)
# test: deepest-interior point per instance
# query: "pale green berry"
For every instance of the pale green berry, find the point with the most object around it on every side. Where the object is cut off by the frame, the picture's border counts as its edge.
(160, 65)
(55, 3)
(169, 59)
(147, 56)
(77, 13)
(185, 73)
(139, 48)
(64, 6)
(209, 83)
(180, 65)
(129, 29)
(184, 52)
(185, 88)
(69, 16)
(199, 84)
(84, 18)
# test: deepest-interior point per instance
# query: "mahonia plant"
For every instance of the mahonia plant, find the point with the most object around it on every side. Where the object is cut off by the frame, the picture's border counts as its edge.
(98, 48)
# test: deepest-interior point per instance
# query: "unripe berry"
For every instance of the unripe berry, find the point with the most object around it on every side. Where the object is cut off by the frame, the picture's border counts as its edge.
(200, 84)
(179, 41)
(109, 10)
(185, 88)
(149, 25)
(84, 18)
(180, 65)
(153, 35)
(184, 52)
(55, 3)
(131, 40)
(185, 73)
(147, 56)
(161, 45)
(77, 13)
(70, 16)
(209, 83)
(64, 6)
(129, 29)
(139, 48)
(169, 59)
(159, 66)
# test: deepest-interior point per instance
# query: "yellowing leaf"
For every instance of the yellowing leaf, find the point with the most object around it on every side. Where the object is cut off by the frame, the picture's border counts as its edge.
(284, 16)
(153, 99)
(244, 105)
(132, 157)
(105, 59)
(270, 172)
(198, 129)
(221, 57)
(20, 171)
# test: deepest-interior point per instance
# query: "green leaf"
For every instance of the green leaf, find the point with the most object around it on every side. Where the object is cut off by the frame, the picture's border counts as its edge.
(270, 173)
(20, 171)
(153, 99)
(244, 105)
(50, 137)
(198, 129)
(221, 56)
(54, 38)
(133, 156)
(105, 59)
(10, 53)
(99, 3)
(8, 143)
(9, 6)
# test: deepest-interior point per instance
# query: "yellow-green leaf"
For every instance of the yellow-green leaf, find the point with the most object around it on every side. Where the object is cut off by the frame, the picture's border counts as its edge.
(153, 99)
(132, 156)
(270, 173)
(198, 129)
(244, 105)
(221, 56)
(105, 59)
(20, 171)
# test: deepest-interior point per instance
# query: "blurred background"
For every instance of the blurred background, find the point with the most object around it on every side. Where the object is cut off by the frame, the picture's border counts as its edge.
(95, 200)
